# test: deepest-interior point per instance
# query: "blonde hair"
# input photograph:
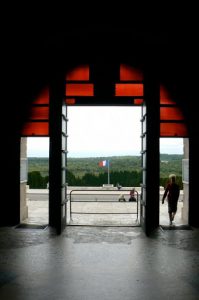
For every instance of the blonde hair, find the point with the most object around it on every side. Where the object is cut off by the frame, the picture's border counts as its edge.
(172, 177)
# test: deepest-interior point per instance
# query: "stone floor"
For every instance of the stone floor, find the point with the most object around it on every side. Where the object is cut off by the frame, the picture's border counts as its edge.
(99, 263)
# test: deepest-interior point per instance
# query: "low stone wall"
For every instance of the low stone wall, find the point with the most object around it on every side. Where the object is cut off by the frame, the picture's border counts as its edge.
(23, 201)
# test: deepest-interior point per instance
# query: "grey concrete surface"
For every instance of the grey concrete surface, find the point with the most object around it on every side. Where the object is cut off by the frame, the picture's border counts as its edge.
(99, 263)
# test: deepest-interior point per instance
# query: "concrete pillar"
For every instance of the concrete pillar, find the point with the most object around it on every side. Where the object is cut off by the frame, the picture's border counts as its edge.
(185, 180)
(23, 180)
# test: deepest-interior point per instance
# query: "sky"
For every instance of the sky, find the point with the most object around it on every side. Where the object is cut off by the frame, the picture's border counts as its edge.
(101, 132)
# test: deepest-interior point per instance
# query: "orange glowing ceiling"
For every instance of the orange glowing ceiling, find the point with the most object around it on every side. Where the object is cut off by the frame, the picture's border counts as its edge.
(128, 73)
(35, 129)
(171, 113)
(39, 113)
(79, 89)
(81, 73)
(130, 85)
(43, 97)
(173, 130)
(165, 97)
(129, 89)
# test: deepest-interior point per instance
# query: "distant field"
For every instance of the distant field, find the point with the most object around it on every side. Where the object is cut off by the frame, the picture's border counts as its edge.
(169, 163)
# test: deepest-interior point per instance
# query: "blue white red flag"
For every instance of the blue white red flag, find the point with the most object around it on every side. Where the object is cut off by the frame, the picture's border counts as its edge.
(103, 163)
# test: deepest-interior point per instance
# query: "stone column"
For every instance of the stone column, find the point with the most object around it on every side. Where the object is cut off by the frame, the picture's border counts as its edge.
(185, 179)
(23, 180)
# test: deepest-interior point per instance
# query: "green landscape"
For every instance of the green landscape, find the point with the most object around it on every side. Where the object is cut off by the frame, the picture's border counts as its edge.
(125, 170)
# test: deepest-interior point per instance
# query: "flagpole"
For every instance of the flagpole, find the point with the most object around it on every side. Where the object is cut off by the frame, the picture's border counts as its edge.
(108, 173)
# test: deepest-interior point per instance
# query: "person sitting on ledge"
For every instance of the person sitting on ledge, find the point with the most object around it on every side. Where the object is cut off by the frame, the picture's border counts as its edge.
(132, 195)
(122, 198)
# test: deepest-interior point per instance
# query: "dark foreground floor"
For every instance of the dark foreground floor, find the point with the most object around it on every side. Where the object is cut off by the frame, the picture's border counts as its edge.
(92, 263)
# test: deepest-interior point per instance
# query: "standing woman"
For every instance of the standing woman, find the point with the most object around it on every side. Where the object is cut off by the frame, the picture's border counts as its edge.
(172, 192)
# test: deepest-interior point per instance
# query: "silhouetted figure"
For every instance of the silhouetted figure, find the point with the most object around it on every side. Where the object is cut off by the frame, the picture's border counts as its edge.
(172, 192)
(132, 195)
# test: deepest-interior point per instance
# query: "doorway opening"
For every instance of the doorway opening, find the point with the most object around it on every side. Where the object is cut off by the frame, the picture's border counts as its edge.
(96, 85)
(174, 160)
(34, 192)
(103, 165)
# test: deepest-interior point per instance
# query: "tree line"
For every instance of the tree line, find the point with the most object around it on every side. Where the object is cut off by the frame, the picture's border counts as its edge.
(88, 176)
(124, 178)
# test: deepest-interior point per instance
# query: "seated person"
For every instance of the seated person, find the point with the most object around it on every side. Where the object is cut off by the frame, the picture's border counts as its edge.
(132, 195)
(122, 198)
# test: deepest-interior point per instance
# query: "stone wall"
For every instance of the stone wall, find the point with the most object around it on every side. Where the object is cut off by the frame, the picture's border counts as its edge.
(185, 209)
(23, 181)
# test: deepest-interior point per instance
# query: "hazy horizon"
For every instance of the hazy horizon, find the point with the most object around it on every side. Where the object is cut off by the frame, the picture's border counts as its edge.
(104, 156)
(103, 132)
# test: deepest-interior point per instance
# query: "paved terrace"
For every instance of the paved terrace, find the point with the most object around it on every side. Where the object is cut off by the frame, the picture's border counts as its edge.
(101, 200)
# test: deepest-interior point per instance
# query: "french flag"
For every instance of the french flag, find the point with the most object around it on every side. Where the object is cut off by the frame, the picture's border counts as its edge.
(103, 163)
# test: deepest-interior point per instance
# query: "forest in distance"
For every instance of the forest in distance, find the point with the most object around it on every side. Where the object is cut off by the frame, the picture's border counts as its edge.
(125, 170)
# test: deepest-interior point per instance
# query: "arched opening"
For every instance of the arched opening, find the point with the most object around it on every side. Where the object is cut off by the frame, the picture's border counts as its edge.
(34, 194)
(38, 180)
(116, 86)
(173, 135)
(172, 161)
